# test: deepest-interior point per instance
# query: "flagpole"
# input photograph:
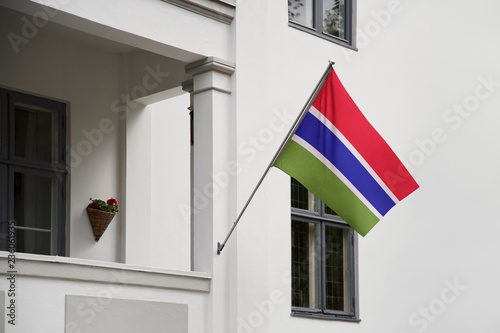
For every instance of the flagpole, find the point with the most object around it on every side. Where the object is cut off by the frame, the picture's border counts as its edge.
(287, 139)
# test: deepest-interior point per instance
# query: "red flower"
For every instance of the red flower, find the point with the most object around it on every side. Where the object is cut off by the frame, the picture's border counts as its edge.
(95, 205)
(112, 202)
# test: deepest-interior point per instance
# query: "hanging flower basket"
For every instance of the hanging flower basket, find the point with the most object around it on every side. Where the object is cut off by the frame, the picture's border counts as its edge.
(100, 214)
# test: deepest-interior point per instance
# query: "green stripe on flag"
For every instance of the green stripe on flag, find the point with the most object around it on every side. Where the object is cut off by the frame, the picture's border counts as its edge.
(323, 183)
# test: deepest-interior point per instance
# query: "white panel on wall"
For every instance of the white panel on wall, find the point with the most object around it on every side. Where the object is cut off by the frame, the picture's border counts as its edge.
(87, 314)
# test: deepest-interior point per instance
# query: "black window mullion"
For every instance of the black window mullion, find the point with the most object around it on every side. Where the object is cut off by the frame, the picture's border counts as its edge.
(322, 257)
(4, 106)
(61, 216)
(4, 218)
(11, 128)
(353, 269)
(4, 194)
(61, 149)
(10, 194)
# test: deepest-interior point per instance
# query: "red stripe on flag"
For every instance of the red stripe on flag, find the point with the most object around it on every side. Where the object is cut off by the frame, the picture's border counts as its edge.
(336, 105)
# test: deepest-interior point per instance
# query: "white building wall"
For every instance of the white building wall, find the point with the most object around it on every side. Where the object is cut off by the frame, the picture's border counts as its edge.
(416, 62)
(425, 75)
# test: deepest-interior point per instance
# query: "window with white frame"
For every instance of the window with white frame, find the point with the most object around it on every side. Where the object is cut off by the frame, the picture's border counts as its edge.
(330, 19)
(324, 266)
(32, 173)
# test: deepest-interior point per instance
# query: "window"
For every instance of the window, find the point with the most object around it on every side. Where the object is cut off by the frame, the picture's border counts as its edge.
(32, 173)
(323, 260)
(329, 19)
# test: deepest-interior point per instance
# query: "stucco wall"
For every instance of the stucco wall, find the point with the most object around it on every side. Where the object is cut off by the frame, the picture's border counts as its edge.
(425, 75)
(417, 64)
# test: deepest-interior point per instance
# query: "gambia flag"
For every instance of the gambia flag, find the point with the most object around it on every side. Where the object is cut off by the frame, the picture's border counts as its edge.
(338, 156)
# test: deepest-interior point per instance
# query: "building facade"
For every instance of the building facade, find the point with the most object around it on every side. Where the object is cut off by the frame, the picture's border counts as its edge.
(176, 107)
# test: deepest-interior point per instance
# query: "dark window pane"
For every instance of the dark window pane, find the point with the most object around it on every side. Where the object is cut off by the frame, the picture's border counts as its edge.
(3, 198)
(304, 265)
(35, 134)
(2, 103)
(30, 241)
(334, 18)
(330, 211)
(336, 269)
(302, 198)
(35, 201)
(301, 12)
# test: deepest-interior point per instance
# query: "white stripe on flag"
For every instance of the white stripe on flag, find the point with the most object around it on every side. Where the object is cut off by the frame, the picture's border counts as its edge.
(336, 171)
(321, 117)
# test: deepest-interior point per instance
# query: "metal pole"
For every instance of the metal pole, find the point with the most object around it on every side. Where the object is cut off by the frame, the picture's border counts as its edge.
(287, 139)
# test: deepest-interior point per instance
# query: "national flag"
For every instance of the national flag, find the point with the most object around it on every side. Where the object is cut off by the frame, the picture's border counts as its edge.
(338, 156)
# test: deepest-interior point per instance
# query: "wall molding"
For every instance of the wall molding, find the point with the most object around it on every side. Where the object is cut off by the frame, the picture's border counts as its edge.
(74, 269)
(210, 64)
(222, 11)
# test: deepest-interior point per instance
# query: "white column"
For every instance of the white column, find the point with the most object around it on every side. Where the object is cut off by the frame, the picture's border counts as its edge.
(213, 190)
(214, 136)
(138, 184)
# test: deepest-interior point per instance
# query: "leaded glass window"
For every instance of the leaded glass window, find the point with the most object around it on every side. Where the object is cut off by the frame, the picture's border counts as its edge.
(323, 259)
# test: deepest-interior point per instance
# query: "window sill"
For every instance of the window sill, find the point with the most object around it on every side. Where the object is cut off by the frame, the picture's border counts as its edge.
(324, 316)
(332, 39)
(74, 269)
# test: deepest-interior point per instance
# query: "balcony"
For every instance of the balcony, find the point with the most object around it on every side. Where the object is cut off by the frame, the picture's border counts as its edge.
(128, 136)
(89, 296)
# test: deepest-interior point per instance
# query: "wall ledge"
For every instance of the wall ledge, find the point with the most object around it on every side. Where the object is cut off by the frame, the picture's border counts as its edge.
(75, 269)
(219, 10)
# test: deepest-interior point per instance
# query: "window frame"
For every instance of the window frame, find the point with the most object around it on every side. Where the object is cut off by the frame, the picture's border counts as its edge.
(10, 164)
(4, 127)
(4, 192)
(350, 24)
(324, 219)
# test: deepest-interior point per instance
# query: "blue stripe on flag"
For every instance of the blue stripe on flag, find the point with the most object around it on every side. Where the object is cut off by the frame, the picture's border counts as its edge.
(323, 140)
